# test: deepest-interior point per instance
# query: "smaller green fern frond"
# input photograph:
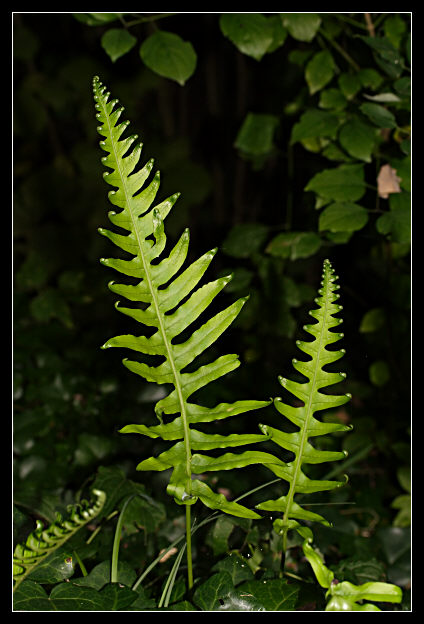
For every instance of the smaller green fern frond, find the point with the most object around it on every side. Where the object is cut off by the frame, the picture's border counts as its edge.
(167, 300)
(346, 596)
(43, 541)
(308, 427)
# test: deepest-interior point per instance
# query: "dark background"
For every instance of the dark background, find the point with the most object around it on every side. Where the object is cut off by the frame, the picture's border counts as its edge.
(71, 398)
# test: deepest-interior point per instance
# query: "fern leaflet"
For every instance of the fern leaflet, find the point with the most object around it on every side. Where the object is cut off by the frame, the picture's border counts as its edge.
(43, 541)
(165, 302)
(303, 417)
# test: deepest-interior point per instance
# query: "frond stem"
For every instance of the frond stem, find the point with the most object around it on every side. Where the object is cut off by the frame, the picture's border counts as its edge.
(188, 539)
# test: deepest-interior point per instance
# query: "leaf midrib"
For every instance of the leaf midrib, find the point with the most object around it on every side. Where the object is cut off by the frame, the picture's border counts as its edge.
(177, 381)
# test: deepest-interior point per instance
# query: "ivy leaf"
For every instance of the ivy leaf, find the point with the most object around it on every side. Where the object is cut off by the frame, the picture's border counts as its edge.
(70, 597)
(319, 71)
(116, 42)
(168, 55)
(344, 183)
(379, 115)
(219, 534)
(274, 594)
(301, 26)
(357, 571)
(31, 596)
(99, 576)
(55, 567)
(207, 597)
(358, 139)
(251, 33)
(343, 217)
(236, 566)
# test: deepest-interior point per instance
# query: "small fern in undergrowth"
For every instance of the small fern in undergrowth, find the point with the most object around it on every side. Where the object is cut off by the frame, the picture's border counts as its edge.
(304, 417)
(43, 541)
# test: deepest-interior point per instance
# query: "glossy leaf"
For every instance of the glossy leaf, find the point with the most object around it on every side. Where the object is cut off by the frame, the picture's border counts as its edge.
(273, 594)
(168, 305)
(308, 426)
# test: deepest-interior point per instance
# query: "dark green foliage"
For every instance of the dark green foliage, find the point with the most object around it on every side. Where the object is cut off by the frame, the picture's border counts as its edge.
(305, 189)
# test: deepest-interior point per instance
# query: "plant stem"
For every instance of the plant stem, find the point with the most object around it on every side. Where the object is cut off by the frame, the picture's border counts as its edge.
(214, 516)
(80, 563)
(340, 50)
(370, 25)
(116, 541)
(188, 539)
(150, 18)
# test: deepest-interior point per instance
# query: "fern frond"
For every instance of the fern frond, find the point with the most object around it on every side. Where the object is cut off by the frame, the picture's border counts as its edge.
(167, 301)
(43, 541)
(298, 442)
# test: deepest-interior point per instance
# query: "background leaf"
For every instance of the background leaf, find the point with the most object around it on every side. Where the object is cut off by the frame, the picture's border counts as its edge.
(343, 217)
(358, 139)
(251, 33)
(319, 71)
(168, 55)
(301, 26)
(117, 42)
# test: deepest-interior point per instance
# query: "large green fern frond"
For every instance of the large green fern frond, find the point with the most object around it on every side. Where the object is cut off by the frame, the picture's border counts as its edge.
(167, 301)
(298, 442)
(43, 541)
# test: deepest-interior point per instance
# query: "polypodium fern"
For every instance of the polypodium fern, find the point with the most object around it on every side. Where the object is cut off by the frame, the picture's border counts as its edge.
(165, 302)
(303, 417)
(43, 541)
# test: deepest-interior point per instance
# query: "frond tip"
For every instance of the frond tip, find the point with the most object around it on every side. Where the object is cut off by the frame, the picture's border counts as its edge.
(312, 400)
